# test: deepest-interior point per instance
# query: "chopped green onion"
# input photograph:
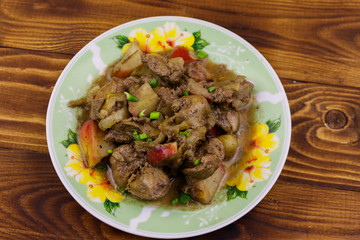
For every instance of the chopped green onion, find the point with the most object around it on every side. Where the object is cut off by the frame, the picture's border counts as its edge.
(148, 139)
(184, 198)
(186, 93)
(136, 136)
(185, 133)
(174, 201)
(154, 83)
(210, 89)
(201, 54)
(142, 113)
(121, 190)
(154, 115)
(143, 136)
(197, 161)
(131, 97)
(109, 151)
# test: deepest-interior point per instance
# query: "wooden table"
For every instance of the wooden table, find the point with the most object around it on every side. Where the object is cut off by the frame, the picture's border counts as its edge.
(314, 46)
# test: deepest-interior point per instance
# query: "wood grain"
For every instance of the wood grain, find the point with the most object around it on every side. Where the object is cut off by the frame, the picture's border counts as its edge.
(26, 82)
(318, 40)
(318, 154)
(320, 172)
(36, 205)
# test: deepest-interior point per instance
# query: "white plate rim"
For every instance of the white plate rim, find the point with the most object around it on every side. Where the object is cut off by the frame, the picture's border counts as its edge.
(125, 228)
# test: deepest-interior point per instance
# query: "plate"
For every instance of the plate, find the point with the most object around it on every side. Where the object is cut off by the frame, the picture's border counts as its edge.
(272, 133)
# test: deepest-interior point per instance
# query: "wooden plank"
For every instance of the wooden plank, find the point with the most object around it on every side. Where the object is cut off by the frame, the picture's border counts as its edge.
(315, 148)
(317, 195)
(36, 205)
(26, 82)
(319, 154)
(305, 211)
(312, 41)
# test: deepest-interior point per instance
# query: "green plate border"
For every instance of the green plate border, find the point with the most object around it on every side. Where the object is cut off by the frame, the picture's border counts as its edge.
(86, 204)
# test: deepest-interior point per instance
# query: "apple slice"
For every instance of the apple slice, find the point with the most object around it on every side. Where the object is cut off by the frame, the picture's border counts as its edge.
(230, 143)
(204, 190)
(130, 61)
(184, 53)
(147, 101)
(92, 143)
(161, 153)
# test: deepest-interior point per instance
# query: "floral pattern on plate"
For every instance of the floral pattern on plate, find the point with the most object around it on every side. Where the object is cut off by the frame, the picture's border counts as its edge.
(140, 217)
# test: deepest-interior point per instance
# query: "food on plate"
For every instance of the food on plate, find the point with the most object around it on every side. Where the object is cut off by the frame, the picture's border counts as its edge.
(92, 143)
(165, 117)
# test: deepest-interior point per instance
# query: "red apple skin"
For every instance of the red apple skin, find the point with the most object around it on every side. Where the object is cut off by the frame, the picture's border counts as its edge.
(92, 145)
(212, 132)
(122, 74)
(161, 153)
(183, 53)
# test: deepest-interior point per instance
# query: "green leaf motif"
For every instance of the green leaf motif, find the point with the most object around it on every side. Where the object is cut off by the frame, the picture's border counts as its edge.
(273, 125)
(110, 206)
(199, 43)
(121, 40)
(233, 192)
(71, 139)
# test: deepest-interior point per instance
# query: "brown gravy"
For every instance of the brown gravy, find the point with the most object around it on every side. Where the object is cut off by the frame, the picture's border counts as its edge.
(246, 116)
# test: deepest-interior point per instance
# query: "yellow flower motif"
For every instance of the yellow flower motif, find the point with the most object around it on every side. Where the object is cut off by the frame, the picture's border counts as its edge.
(99, 191)
(99, 188)
(170, 36)
(162, 38)
(75, 167)
(262, 139)
(254, 167)
(147, 42)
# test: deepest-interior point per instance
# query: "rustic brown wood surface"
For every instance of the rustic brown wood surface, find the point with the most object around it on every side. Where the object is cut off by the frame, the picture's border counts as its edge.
(314, 46)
